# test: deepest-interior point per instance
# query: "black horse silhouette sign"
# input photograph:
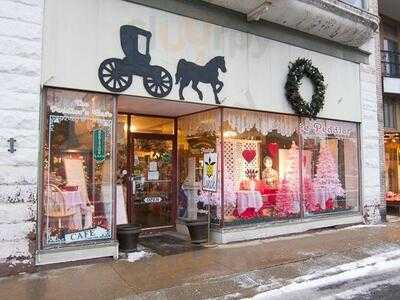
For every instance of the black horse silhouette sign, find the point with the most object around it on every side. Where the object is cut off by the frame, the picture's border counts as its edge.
(190, 72)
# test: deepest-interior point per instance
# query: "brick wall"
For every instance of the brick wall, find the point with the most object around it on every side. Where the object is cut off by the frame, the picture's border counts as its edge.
(372, 131)
(20, 71)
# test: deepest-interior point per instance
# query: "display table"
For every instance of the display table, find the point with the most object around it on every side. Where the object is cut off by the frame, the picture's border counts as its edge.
(248, 199)
(66, 205)
(322, 195)
(192, 195)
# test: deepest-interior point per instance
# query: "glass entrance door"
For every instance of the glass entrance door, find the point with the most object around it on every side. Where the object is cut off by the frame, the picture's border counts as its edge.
(152, 160)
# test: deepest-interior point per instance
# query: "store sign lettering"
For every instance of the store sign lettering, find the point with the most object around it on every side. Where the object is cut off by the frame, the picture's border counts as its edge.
(86, 235)
(99, 152)
(321, 130)
(78, 107)
(152, 200)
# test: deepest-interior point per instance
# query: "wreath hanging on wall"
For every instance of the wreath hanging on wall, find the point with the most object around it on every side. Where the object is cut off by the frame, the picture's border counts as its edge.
(297, 70)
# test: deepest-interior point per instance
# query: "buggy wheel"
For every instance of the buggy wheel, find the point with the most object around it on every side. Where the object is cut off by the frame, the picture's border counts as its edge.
(159, 86)
(112, 78)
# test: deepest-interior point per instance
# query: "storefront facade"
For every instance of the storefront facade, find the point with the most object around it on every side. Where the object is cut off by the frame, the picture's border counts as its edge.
(134, 96)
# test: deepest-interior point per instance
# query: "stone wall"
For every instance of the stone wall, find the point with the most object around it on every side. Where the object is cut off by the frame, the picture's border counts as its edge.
(372, 131)
(20, 69)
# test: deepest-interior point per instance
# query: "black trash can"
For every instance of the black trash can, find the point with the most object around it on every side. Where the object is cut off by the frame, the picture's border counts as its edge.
(198, 230)
(128, 237)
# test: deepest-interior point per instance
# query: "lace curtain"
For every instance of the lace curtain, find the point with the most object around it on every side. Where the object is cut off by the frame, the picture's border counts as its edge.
(202, 122)
(239, 120)
(242, 120)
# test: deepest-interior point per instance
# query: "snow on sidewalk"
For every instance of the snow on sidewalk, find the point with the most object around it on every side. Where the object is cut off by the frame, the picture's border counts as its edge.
(141, 253)
(376, 264)
(135, 256)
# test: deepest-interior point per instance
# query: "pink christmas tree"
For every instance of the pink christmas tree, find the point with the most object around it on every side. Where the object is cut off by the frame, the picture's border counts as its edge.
(326, 179)
(310, 201)
(288, 193)
(284, 199)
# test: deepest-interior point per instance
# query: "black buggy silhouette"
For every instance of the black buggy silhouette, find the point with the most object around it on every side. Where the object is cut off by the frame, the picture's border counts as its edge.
(115, 74)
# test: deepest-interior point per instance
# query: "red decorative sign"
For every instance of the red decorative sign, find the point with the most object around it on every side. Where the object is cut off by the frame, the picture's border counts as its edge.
(249, 155)
(273, 149)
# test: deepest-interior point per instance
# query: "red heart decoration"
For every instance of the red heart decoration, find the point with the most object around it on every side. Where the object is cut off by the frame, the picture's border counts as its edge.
(273, 149)
(249, 155)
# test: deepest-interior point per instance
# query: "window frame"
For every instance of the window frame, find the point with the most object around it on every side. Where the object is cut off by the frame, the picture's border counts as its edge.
(43, 138)
(302, 218)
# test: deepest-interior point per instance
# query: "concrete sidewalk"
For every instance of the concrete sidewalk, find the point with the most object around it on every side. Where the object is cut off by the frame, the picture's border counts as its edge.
(226, 272)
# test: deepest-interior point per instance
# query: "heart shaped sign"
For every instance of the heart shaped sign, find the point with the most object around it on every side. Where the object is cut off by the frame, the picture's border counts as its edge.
(249, 155)
(273, 149)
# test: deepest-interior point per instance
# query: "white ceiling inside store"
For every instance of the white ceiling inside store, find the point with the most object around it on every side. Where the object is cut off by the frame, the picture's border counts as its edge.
(166, 108)
(390, 8)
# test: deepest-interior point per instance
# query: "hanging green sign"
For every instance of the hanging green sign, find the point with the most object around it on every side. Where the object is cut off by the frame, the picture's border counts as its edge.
(99, 144)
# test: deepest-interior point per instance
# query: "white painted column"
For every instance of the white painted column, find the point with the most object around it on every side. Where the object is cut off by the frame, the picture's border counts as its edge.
(371, 148)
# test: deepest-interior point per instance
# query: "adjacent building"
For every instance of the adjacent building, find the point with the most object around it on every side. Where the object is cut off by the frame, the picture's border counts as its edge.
(265, 113)
(389, 39)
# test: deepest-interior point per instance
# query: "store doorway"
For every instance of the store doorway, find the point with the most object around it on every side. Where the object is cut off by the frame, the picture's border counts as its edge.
(147, 168)
(152, 168)
(147, 164)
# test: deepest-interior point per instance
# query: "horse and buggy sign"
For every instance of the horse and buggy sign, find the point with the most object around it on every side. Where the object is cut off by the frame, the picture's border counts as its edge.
(116, 74)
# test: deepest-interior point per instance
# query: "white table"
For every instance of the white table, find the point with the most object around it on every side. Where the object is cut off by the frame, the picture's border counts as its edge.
(67, 204)
(248, 199)
(322, 195)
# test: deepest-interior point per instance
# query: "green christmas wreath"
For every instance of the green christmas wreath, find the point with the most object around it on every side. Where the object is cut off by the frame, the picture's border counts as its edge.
(297, 70)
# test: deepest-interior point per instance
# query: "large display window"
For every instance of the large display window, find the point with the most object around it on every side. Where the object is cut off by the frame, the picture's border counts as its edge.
(261, 167)
(330, 173)
(392, 170)
(197, 134)
(77, 202)
(271, 167)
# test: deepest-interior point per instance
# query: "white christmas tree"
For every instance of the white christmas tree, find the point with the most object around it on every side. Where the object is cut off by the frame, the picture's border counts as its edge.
(327, 178)
(292, 168)
(288, 193)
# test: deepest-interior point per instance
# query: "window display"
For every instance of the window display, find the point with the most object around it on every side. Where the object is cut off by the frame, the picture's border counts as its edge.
(261, 167)
(78, 168)
(197, 134)
(330, 166)
(274, 167)
(392, 170)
